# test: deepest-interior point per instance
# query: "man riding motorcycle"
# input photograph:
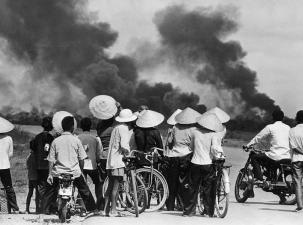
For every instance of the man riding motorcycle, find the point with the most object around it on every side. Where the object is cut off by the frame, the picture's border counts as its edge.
(277, 134)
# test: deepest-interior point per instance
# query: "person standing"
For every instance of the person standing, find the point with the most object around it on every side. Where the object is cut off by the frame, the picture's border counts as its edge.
(118, 147)
(147, 136)
(67, 156)
(32, 182)
(296, 147)
(180, 153)
(6, 152)
(40, 146)
(93, 150)
(201, 170)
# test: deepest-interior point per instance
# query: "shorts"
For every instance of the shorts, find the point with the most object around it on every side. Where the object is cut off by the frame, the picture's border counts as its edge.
(119, 172)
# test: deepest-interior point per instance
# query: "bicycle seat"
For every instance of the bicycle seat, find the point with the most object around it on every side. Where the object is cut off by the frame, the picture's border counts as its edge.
(227, 165)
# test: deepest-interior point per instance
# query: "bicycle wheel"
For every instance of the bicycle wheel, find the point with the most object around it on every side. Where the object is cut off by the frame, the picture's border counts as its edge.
(125, 199)
(157, 188)
(133, 192)
(222, 199)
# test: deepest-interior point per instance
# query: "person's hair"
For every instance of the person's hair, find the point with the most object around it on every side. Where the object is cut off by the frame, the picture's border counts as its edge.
(86, 124)
(68, 123)
(47, 123)
(104, 124)
(299, 116)
(143, 107)
(278, 115)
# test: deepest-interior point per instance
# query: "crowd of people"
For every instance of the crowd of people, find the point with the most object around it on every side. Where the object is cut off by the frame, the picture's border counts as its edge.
(193, 142)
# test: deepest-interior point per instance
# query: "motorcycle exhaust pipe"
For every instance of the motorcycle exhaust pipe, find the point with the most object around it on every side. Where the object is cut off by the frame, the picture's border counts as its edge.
(226, 181)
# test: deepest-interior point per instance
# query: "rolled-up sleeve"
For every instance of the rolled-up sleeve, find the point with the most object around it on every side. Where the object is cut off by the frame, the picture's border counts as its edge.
(263, 133)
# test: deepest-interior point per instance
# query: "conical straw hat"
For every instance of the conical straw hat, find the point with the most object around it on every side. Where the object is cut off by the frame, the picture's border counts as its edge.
(172, 119)
(57, 121)
(211, 122)
(126, 115)
(223, 116)
(149, 119)
(103, 107)
(5, 125)
(187, 116)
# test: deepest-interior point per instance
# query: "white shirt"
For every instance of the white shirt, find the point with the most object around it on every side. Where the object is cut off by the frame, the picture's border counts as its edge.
(119, 142)
(202, 141)
(93, 148)
(6, 151)
(182, 136)
(278, 134)
(296, 141)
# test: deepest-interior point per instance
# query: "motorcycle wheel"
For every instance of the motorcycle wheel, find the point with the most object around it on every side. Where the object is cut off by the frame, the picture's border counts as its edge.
(290, 198)
(63, 210)
(241, 186)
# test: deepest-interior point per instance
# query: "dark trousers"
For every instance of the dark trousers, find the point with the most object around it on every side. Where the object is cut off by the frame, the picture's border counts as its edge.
(6, 179)
(257, 160)
(205, 176)
(297, 168)
(94, 175)
(102, 174)
(87, 197)
(46, 204)
(175, 174)
(32, 186)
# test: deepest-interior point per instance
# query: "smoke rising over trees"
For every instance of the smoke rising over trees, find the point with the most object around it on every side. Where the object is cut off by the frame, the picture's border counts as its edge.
(62, 44)
(63, 48)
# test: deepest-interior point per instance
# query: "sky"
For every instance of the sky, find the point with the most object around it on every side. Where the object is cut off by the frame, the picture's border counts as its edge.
(270, 31)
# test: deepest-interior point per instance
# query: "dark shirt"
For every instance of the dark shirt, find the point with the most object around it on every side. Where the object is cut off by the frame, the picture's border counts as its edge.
(41, 146)
(147, 138)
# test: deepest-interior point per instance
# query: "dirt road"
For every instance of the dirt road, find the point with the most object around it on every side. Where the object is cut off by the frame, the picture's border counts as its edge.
(263, 209)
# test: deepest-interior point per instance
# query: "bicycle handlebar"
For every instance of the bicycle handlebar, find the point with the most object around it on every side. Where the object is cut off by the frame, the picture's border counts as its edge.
(250, 148)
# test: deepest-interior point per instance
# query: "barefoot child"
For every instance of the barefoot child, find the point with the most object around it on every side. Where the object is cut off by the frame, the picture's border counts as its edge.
(32, 182)
(119, 146)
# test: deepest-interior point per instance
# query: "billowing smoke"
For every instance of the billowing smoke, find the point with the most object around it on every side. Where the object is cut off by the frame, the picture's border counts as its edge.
(61, 52)
(195, 55)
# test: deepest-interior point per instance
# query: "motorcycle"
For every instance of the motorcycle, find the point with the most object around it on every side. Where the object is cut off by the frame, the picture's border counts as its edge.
(278, 180)
(66, 200)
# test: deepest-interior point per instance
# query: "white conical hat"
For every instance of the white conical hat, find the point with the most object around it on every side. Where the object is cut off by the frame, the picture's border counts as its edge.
(5, 125)
(149, 118)
(126, 115)
(223, 116)
(211, 122)
(172, 119)
(57, 121)
(103, 107)
(187, 116)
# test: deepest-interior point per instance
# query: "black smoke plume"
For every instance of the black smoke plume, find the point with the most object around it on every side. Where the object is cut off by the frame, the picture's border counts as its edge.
(63, 45)
(195, 42)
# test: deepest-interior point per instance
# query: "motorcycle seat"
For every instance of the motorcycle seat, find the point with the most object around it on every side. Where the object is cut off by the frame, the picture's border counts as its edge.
(284, 162)
(227, 165)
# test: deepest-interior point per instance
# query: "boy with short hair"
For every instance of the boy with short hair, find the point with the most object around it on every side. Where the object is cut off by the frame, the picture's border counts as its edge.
(67, 156)
(93, 149)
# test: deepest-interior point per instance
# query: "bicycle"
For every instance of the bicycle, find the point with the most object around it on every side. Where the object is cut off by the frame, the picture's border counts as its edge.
(222, 190)
(132, 194)
(154, 181)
